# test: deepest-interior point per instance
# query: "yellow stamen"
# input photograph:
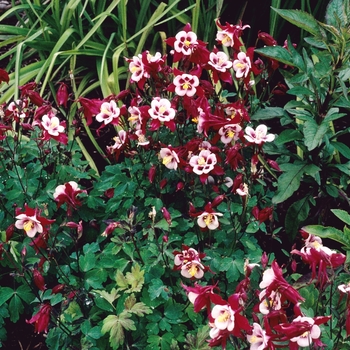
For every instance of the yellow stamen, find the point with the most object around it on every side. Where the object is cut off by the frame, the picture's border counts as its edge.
(192, 270)
(230, 133)
(134, 69)
(253, 339)
(240, 65)
(223, 317)
(29, 225)
(187, 43)
(167, 159)
(186, 86)
(208, 219)
(226, 39)
(195, 120)
(162, 109)
(201, 161)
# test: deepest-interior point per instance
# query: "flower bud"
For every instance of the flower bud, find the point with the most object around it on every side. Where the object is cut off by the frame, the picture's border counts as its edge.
(166, 215)
(165, 239)
(62, 95)
(264, 260)
(180, 185)
(152, 173)
(163, 183)
(9, 232)
(39, 279)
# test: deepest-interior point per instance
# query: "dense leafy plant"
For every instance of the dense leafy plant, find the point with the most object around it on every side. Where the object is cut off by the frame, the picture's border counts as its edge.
(119, 213)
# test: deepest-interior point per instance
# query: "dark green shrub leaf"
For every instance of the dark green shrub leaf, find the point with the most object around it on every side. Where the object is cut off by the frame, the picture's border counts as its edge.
(268, 113)
(338, 13)
(314, 133)
(278, 53)
(342, 215)
(296, 214)
(301, 19)
(287, 136)
(328, 232)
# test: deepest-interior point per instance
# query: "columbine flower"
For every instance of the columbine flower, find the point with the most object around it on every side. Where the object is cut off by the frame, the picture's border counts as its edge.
(243, 190)
(229, 132)
(303, 331)
(273, 302)
(259, 135)
(209, 220)
(185, 84)
(17, 108)
(273, 281)
(189, 262)
(199, 296)
(319, 257)
(109, 113)
(224, 318)
(258, 339)
(68, 193)
(136, 68)
(169, 158)
(345, 288)
(219, 61)
(42, 318)
(185, 42)
(230, 35)
(203, 163)
(161, 109)
(31, 222)
(52, 125)
(242, 65)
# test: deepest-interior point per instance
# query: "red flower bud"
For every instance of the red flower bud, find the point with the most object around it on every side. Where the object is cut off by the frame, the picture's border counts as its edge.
(180, 186)
(9, 232)
(39, 280)
(273, 164)
(62, 95)
(109, 193)
(152, 173)
(217, 200)
(163, 183)
(58, 288)
(264, 260)
(166, 215)
(237, 182)
(35, 98)
(165, 239)
(267, 39)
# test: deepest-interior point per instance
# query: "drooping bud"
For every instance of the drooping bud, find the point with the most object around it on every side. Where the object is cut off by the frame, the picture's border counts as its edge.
(180, 185)
(39, 279)
(163, 183)
(4, 76)
(165, 239)
(166, 215)
(152, 173)
(9, 232)
(264, 260)
(62, 95)
(273, 164)
(217, 200)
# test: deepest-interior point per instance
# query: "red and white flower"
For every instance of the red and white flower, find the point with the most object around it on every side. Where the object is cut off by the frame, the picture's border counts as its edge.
(219, 61)
(136, 68)
(109, 113)
(258, 339)
(169, 158)
(242, 65)
(259, 135)
(68, 193)
(185, 84)
(203, 163)
(185, 42)
(31, 222)
(52, 125)
(188, 261)
(209, 220)
(161, 109)
(229, 132)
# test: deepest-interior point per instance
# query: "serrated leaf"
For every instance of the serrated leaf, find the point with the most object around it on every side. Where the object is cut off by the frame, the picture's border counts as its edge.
(139, 309)
(314, 133)
(300, 19)
(112, 325)
(5, 294)
(110, 297)
(135, 279)
(121, 281)
(328, 232)
(338, 10)
(199, 340)
(342, 215)
(73, 312)
(289, 181)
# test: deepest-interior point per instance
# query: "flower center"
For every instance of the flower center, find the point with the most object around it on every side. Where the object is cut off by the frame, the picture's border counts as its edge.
(29, 225)
(208, 219)
(186, 86)
(253, 339)
(162, 109)
(201, 161)
(187, 43)
(224, 317)
(167, 159)
(192, 270)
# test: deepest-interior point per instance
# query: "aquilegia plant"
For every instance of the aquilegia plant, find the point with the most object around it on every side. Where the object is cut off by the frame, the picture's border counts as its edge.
(158, 238)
